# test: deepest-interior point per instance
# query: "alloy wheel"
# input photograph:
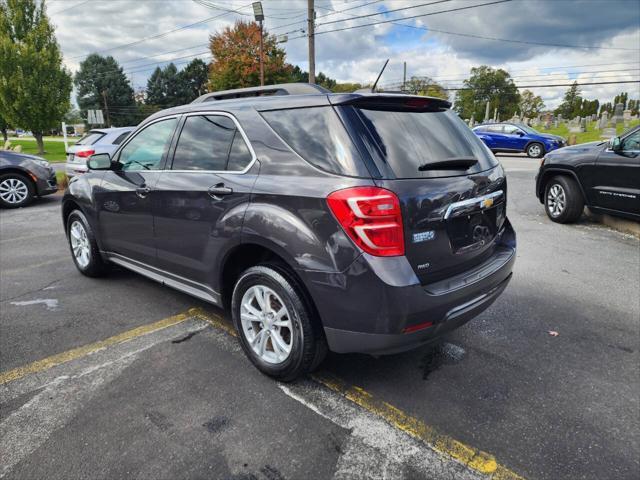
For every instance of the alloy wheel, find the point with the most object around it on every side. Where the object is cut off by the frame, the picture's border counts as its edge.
(80, 244)
(266, 324)
(13, 190)
(556, 200)
(535, 150)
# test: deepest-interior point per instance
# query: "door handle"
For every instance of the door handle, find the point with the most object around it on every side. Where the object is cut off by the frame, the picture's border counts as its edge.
(142, 192)
(219, 190)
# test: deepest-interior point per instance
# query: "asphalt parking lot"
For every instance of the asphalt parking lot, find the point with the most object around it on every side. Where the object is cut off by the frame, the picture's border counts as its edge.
(123, 378)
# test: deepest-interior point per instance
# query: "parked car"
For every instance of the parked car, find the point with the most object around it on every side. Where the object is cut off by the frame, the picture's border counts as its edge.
(98, 140)
(355, 222)
(605, 176)
(515, 137)
(23, 177)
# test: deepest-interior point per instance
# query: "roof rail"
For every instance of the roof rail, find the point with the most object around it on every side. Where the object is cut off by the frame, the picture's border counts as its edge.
(267, 90)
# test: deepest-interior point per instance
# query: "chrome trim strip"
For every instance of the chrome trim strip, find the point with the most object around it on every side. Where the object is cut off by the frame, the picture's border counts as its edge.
(472, 201)
(165, 278)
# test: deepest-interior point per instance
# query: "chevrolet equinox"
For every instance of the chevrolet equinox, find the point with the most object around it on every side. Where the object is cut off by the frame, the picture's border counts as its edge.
(360, 222)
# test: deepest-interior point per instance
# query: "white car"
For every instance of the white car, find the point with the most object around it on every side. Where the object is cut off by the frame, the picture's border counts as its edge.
(97, 140)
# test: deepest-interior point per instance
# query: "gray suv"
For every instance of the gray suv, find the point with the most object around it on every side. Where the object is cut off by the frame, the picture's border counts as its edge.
(358, 222)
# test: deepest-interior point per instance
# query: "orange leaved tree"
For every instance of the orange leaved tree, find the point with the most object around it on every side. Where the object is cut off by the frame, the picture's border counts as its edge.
(236, 58)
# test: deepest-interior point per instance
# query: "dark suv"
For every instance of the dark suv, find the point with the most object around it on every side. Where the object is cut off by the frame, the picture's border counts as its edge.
(354, 222)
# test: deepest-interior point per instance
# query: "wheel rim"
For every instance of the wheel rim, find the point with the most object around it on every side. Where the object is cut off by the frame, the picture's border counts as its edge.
(556, 200)
(80, 244)
(534, 150)
(13, 190)
(266, 324)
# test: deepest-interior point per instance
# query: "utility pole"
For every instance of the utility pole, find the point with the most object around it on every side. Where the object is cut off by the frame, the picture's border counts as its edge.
(311, 18)
(261, 56)
(106, 107)
(404, 77)
(258, 13)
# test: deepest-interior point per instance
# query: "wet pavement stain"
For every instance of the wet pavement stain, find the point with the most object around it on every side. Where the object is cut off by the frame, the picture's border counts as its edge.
(188, 336)
(216, 424)
(440, 355)
(159, 420)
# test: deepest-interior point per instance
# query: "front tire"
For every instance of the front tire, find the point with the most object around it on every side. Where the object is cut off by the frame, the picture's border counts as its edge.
(535, 150)
(275, 324)
(15, 190)
(83, 246)
(563, 200)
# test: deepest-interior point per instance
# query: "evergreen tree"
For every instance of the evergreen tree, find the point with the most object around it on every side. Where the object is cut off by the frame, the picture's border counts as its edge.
(100, 77)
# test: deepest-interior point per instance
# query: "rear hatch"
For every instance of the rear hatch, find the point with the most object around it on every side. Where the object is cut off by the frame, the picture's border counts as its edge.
(82, 149)
(451, 188)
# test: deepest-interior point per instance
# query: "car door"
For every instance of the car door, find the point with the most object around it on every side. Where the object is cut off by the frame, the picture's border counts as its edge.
(498, 138)
(514, 138)
(125, 197)
(617, 176)
(203, 194)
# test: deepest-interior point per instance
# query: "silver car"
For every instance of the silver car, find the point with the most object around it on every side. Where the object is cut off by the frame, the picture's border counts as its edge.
(97, 140)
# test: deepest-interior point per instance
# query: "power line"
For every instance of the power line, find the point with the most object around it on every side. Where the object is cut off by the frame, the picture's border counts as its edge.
(69, 8)
(387, 11)
(557, 85)
(163, 34)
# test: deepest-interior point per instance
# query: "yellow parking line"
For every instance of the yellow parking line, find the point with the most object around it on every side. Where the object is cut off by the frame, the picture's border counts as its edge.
(474, 459)
(73, 354)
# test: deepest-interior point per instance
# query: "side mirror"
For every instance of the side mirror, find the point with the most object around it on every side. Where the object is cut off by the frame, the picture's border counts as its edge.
(99, 161)
(615, 144)
(520, 133)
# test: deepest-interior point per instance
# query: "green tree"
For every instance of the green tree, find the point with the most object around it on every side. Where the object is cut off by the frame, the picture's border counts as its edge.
(100, 77)
(425, 86)
(165, 87)
(193, 80)
(346, 87)
(487, 85)
(34, 86)
(572, 102)
(236, 58)
(530, 105)
(301, 76)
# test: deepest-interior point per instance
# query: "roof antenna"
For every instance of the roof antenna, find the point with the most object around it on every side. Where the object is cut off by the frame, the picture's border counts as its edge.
(379, 75)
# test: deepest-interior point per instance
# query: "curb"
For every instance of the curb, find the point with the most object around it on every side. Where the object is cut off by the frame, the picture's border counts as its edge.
(617, 223)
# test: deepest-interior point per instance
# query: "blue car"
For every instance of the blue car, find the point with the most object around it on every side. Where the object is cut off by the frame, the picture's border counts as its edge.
(514, 137)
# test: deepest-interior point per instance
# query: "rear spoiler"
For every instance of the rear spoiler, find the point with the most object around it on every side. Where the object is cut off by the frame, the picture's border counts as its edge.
(392, 102)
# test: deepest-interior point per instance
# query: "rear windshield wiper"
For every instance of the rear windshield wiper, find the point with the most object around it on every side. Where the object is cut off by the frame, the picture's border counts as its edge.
(457, 163)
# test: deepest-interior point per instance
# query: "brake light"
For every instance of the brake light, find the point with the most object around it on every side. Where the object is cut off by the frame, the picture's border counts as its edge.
(371, 217)
(85, 153)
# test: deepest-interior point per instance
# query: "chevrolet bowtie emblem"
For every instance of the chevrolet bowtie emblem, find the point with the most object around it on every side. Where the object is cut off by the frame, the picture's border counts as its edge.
(486, 203)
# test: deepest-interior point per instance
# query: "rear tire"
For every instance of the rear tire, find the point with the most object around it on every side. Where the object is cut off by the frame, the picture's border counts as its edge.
(83, 246)
(535, 150)
(16, 190)
(275, 324)
(563, 200)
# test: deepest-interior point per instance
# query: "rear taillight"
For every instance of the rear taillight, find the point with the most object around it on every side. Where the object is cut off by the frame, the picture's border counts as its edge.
(371, 217)
(85, 153)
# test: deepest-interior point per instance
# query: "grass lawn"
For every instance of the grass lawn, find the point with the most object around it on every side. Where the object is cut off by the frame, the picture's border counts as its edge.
(54, 148)
(591, 135)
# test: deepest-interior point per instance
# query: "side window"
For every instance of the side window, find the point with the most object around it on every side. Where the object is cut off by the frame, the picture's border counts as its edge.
(510, 129)
(495, 128)
(146, 150)
(632, 142)
(210, 142)
(120, 138)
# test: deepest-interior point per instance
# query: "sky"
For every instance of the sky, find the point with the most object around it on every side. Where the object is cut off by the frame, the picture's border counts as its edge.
(540, 42)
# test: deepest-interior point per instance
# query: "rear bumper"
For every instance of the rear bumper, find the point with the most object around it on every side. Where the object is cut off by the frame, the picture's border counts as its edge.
(73, 169)
(366, 308)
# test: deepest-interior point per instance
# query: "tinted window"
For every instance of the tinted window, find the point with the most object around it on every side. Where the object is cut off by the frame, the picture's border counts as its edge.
(90, 138)
(632, 142)
(146, 150)
(211, 142)
(120, 138)
(318, 136)
(511, 129)
(406, 140)
(494, 128)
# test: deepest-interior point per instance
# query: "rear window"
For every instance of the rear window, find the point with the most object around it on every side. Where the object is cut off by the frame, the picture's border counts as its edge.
(318, 135)
(90, 138)
(120, 138)
(407, 140)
